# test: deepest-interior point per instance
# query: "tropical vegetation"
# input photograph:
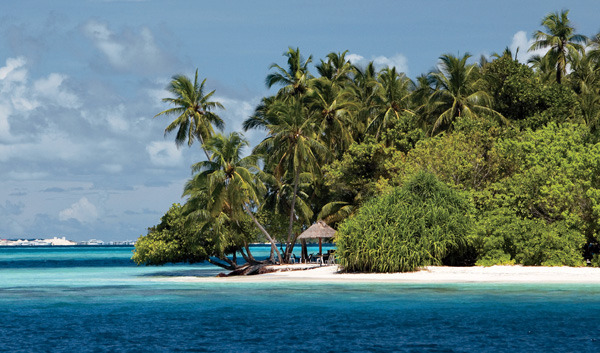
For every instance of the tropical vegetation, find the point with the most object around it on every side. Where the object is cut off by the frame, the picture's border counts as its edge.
(422, 223)
(514, 148)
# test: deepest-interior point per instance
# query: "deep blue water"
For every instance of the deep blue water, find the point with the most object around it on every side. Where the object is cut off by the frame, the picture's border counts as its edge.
(96, 300)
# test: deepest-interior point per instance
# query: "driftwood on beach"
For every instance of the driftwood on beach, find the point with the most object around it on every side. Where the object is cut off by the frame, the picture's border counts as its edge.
(249, 270)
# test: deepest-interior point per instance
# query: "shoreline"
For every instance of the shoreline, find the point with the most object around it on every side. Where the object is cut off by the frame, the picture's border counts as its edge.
(430, 275)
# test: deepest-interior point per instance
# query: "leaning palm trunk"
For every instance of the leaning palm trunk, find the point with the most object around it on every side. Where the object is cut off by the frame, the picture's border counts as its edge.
(203, 148)
(224, 262)
(264, 231)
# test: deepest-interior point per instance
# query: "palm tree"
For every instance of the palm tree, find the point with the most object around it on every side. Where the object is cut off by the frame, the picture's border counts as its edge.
(585, 81)
(589, 102)
(457, 92)
(193, 111)
(295, 78)
(594, 48)
(560, 39)
(421, 96)
(392, 98)
(544, 68)
(292, 147)
(229, 180)
(364, 89)
(337, 68)
(332, 108)
(585, 74)
(506, 53)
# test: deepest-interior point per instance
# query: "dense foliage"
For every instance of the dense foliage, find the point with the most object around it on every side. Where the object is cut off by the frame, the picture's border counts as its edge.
(172, 241)
(520, 141)
(417, 225)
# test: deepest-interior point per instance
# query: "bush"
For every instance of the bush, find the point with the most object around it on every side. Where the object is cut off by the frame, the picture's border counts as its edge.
(171, 241)
(411, 227)
(503, 238)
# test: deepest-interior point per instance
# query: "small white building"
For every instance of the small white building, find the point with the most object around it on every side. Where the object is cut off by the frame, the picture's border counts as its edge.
(60, 241)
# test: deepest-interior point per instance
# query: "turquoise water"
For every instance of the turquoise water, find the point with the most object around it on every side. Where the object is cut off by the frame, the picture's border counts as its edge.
(95, 300)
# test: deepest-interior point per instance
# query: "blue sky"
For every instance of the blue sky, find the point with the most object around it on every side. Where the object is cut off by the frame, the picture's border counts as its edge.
(81, 156)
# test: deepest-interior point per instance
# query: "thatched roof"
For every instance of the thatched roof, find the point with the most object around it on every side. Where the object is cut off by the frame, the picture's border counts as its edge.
(318, 230)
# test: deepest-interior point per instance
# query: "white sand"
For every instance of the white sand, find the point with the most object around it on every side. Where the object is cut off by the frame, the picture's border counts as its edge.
(494, 274)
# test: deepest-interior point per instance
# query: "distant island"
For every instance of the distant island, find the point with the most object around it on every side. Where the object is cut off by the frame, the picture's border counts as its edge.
(63, 241)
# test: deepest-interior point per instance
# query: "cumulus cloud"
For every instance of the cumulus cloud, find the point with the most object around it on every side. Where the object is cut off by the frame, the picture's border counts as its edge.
(164, 154)
(112, 117)
(51, 146)
(19, 97)
(83, 211)
(5, 111)
(521, 42)
(398, 61)
(127, 50)
(53, 90)
(15, 95)
(236, 111)
(13, 70)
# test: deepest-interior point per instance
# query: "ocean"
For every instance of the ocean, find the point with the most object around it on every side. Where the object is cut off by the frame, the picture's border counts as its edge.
(95, 299)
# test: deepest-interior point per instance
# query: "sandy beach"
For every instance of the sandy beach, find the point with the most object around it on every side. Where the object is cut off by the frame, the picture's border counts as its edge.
(433, 274)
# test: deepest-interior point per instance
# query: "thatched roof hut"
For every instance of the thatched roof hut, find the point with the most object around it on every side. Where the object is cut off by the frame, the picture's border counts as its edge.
(318, 230)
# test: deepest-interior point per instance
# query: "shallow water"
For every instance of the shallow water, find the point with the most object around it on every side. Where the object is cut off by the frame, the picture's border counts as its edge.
(66, 300)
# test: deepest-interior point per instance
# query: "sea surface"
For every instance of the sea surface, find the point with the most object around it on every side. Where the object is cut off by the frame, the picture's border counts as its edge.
(95, 299)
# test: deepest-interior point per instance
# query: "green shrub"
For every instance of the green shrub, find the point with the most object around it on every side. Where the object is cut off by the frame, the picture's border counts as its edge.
(171, 241)
(503, 238)
(411, 227)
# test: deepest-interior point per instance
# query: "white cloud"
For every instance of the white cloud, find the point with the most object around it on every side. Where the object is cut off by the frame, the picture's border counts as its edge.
(236, 111)
(19, 97)
(52, 89)
(11, 71)
(15, 95)
(522, 43)
(116, 119)
(22, 100)
(156, 95)
(164, 154)
(49, 147)
(356, 59)
(83, 211)
(398, 61)
(111, 117)
(126, 50)
(5, 111)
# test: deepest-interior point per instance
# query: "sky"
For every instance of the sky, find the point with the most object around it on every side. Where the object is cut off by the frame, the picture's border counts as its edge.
(81, 155)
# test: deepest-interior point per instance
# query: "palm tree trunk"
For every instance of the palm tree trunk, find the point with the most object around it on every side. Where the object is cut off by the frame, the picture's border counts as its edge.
(290, 241)
(264, 231)
(202, 146)
(249, 254)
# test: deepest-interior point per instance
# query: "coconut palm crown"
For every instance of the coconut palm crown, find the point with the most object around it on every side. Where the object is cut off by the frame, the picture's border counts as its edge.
(458, 92)
(560, 39)
(295, 78)
(193, 110)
